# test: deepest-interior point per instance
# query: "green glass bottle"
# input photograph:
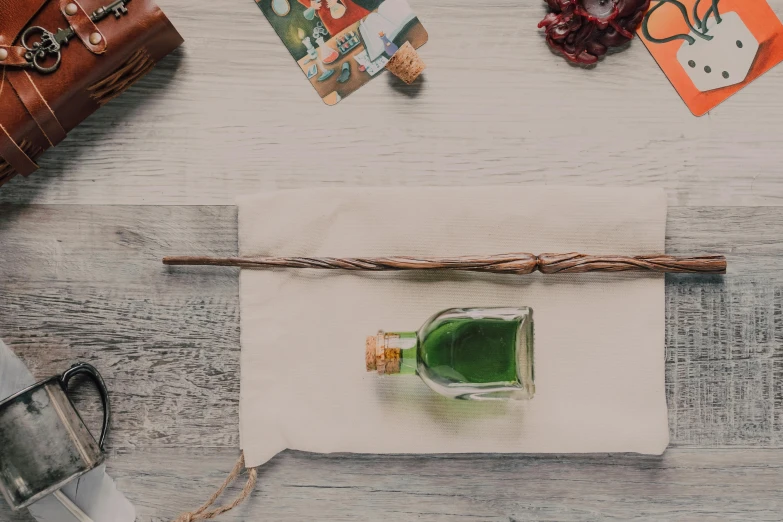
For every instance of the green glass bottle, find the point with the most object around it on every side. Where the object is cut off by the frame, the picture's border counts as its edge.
(463, 353)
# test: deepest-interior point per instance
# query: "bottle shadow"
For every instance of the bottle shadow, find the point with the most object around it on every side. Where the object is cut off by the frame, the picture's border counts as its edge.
(455, 417)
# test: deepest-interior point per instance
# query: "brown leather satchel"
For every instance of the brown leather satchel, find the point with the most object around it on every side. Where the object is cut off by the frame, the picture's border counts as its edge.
(61, 60)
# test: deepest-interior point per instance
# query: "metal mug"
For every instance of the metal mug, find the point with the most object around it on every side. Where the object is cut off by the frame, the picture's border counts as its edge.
(44, 443)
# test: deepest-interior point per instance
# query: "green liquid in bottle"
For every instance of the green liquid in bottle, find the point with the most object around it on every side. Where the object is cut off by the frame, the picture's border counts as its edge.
(472, 350)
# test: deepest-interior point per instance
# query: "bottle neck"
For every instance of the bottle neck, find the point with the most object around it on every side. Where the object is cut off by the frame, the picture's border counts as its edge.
(393, 353)
(408, 345)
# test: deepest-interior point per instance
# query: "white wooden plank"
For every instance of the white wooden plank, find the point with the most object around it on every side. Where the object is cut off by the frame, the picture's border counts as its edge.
(86, 283)
(231, 113)
(683, 484)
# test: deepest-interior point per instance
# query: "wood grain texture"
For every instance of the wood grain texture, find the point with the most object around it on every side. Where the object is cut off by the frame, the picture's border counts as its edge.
(683, 484)
(85, 283)
(495, 107)
(680, 485)
(81, 281)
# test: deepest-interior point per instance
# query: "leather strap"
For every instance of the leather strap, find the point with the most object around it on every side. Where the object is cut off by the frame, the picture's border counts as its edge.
(15, 16)
(37, 106)
(15, 57)
(83, 25)
(14, 155)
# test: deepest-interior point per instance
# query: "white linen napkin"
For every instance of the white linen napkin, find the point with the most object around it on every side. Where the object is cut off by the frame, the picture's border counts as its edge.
(599, 338)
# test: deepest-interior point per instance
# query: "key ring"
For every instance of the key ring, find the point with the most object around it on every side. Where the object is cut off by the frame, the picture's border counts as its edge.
(39, 51)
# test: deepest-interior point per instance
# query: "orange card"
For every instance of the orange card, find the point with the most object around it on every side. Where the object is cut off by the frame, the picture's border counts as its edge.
(710, 49)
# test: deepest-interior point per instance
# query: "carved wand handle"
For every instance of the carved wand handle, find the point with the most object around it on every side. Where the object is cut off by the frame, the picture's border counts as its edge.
(500, 264)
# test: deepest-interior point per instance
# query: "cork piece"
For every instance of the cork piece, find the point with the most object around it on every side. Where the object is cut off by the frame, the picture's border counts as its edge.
(392, 361)
(370, 357)
(406, 64)
(378, 356)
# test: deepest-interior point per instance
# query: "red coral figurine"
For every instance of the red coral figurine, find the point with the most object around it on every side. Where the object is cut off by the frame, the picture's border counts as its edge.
(583, 30)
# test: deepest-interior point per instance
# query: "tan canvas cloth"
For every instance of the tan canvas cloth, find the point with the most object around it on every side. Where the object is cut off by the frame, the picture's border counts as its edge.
(599, 338)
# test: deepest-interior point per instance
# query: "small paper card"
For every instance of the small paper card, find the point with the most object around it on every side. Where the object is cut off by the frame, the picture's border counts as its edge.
(342, 44)
(710, 49)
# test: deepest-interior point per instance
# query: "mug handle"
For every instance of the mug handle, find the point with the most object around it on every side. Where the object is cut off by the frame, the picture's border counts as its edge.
(90, 371)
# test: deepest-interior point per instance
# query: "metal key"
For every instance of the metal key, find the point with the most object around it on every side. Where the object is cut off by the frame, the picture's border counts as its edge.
(49, 45)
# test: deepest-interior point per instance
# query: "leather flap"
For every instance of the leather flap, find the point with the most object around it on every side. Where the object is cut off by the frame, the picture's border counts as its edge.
(16, 15)
(15, 56)
(83, 25)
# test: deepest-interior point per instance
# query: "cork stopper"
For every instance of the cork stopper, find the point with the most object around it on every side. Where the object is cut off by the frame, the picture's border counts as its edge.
(380, 357)
(370, 357)
(406, 64)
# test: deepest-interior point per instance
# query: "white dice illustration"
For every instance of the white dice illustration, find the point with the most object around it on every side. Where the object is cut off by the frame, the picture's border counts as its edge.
(726, 59)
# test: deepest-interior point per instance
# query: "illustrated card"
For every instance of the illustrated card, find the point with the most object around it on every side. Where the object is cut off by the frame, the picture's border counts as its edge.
(710, 49)
(342, 44)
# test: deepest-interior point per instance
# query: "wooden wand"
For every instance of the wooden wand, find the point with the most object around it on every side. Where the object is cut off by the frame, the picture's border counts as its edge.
(499, 264)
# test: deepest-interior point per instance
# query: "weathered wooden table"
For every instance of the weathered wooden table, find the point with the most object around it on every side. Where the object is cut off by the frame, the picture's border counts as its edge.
(156, 171)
